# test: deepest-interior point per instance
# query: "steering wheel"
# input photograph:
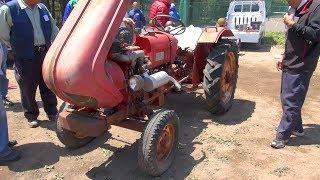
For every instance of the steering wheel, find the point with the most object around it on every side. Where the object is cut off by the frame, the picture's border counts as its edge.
(178, 29)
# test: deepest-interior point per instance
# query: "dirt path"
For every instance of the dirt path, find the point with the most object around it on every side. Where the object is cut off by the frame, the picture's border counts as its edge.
(232, 146)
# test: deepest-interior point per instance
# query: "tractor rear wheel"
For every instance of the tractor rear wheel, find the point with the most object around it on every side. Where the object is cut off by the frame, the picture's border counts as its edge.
(159, 143)
(220, 77)
(70, 139)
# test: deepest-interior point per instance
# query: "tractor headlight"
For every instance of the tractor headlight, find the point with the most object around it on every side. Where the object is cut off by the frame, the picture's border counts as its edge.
(136, 83)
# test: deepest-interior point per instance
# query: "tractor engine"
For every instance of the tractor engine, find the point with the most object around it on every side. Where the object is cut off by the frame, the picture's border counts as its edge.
(146, 64)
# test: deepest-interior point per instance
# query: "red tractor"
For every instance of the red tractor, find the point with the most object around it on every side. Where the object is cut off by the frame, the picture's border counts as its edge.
(114, 76)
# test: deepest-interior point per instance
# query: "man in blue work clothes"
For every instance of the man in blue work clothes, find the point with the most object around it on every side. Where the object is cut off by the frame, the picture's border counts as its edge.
(174, 13)
(29, 28)
(300, 59)
(137, 16)
(7, 154)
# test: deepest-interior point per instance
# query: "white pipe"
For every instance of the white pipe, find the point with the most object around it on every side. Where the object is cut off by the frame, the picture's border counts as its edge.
(156, 80)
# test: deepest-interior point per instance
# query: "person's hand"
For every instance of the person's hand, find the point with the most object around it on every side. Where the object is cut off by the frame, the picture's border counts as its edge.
(288, 20)
(129, 22)
(279, 64)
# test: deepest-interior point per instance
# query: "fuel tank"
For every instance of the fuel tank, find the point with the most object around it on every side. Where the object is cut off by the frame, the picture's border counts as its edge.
(75, 67)
(160, 47)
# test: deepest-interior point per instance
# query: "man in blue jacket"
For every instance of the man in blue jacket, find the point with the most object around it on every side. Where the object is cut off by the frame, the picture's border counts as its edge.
(174, 13)
(137, 16)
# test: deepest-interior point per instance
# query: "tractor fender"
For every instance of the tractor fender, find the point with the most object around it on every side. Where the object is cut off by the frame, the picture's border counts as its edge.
(212, 34)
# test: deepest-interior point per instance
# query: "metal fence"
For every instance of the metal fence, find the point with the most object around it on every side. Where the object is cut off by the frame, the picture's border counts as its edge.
(56, 7)
(201, 12)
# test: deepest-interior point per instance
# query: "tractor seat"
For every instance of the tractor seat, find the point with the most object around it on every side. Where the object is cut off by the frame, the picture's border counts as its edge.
(189, 39)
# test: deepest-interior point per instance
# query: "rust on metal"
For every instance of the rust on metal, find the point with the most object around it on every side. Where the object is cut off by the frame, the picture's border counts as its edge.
(83, 125)
(228, 77)
(165, 142)
(134, 125)
(212, 34)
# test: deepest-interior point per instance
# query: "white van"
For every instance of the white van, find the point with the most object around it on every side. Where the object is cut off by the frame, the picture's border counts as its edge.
(246, 19)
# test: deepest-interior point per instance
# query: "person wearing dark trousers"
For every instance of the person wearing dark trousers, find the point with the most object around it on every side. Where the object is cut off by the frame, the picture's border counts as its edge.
(299, 61)
(7, 154)
(3, 66)
(29, 28)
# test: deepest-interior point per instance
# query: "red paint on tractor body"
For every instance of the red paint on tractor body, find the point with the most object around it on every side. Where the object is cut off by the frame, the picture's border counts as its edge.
(75, 65)
(160, 47)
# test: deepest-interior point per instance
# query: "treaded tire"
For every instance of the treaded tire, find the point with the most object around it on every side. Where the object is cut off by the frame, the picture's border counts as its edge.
(212, 79)
(69, 140)
(147, 152)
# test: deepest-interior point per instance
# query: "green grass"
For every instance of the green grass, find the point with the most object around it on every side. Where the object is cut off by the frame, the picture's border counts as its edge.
(280, 172)
(224, 158)
(224, 140)
(275, 38)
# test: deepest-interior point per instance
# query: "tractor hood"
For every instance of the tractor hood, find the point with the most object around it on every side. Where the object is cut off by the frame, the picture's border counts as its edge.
(74, 67)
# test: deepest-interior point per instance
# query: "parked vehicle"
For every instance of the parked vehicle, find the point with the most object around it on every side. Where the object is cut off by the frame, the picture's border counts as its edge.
(246, 19)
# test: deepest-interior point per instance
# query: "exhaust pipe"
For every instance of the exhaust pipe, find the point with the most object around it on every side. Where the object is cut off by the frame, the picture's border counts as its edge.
(151, 82)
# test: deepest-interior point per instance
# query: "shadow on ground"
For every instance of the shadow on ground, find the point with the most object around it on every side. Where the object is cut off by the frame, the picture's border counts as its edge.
(240, 111)
(38, 155)
(17, 106)
(190, 107)
(255, 47)
(311, 138)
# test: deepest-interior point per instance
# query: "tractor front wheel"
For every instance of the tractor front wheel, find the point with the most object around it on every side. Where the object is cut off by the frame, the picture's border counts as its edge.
(220, 77)
(159, 143)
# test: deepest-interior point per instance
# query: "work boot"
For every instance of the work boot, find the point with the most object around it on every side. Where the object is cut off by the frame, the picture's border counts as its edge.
(12, 143)
(33, 123)
(12, 156)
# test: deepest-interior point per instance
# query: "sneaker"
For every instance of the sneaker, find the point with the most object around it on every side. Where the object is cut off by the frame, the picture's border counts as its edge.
(13, 156)
(278, 144)
(33, 123)
(52, 117)
(300, 133)
(12, 143)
